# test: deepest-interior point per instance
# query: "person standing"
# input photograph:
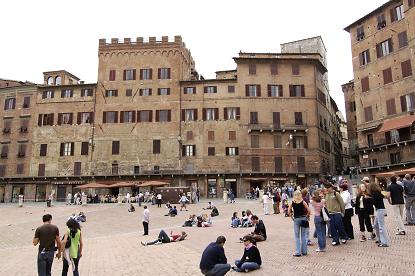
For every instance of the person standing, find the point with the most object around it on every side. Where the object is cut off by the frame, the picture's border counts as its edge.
(72, 246)
(214, 261)
(276, 201)
(409, 191)
(159, 197)
(47, 236)
(140, 198)
(146, 220)
(183, 201)
(318, 203)
(396, 199)
(251, 259)
(265, 201)
(364, 209)
(299, 212)
(378, 195)
(127, 197)
(198, 194)
(335, 207)
(348, 209)
(69, 199)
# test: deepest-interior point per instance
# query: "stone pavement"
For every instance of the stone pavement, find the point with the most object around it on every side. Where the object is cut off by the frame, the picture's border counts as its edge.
(112, 243)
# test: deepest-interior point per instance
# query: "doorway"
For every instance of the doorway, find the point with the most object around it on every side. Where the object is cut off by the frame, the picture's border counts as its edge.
(232, 184)
(2, 191)
(40, 192)
(16, 191)
(61, 194)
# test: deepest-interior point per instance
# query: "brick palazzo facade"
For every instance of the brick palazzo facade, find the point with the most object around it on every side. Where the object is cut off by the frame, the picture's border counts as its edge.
(150, 116)
(380, 101)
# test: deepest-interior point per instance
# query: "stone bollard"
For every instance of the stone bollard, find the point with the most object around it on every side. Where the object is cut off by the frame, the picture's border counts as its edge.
(20, 200)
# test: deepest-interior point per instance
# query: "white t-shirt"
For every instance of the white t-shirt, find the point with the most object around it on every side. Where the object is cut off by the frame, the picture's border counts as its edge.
(265, 198)
(159, 196)
(346, 199)
(146, 215)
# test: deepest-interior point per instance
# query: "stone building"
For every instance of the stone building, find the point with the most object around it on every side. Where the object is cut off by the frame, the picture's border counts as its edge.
(384, 100)
(150, 116)
(350, 102)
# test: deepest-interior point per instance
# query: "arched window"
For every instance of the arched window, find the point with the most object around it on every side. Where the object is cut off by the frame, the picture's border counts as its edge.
(50, 81)
(58, 80)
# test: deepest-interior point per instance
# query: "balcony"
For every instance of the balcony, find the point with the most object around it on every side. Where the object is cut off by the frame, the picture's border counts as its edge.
(383, 144)
(276, 127)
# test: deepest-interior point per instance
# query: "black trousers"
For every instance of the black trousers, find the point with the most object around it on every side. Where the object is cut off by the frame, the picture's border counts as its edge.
(145, 225)
(66, 267)
(158, 202)
(347, 222)
(364, 219)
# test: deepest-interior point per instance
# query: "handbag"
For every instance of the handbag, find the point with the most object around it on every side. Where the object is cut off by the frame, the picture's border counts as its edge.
(68, 241)
(304, 224)
(324, 213)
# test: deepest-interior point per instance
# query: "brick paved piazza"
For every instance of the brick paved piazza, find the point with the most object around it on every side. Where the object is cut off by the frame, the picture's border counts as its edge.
(112, 244)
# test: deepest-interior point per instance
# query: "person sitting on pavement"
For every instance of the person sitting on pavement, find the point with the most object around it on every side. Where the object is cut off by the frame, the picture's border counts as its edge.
(164, 238)
(190, 221)
(173, 211)
(206, 221)
(214, 212)
(247, 219)
(131, 208)
(214, 261)
(260, 232)
(235, 221)
(251, 259)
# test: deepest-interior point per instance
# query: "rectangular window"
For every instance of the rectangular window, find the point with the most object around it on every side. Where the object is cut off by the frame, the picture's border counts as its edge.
(129, 74)
(188, 150)
(114, 169)
(231, 113)
(397, 13)
(387, 76)
(136, 169)
(65, 118)
(2, 170)
(115, 147)
(26, 102)
(86, 92)
(189, 115)
(210, 89)
(156, 146)
(277, 141)
(112, 75)
(274, 69)
(253, 90)
(274, 90)
(145, 92)
(321, 97)
(390, 107)
(189, 135)
(85, 118)
(297, 91)
(211, 151)
(403, 39)
(21, 152)
(43, 149)
(232, 151)
(406, 68)
(45, 120)
(7, 126)
(41, 170)
(20, 169)
(276, 119)
(84, 148)
(381, 21)
(253, 117)
(384, 48)
(231, 88)
(255, 141)
(210, 114)
(408, 102)
(10, 103)
(110, 117)
(66, 93)
(211, 135)
(189, 90)
(232, 135)
(368, 114)
(128, 92)
(360, 33)
(146, 74)
(300, 142)
(164, 73)
(365, 84)
(24, 124)
(395, 158)
(111, 93)
(298, 118)
(255, 164)
(145, 116)
(301, 163)
(50, 94)
(278, 164)
(163, 115)
(364, 57)
(4, 151)
(67, 149)
(77, 168)
(369, 138)
(252, 69)
(295, 69)
(163, 91)
(127, 117)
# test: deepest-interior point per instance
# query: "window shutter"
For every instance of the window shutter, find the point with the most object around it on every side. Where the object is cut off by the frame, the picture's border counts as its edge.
(387, 76)
(406, 68)
(133, 116)
(292, 94)
(124, 75)
(258, 87)
(204, 114)
(294, 142)
(238, 113)
(50, 119)
(276, 119)
(104, 117)
(205, 89)
(115, 116)
(157, 115)
(305, 142)
(365, 84)
(215, 89)
(84, 148)
(378, 50)
(195, 114)
(59, 119)
(361, 59)
(91, 117)
(115, 147)
(194, 150)
(281, 94)
(62, 149)
(159, 73)
(121, 116)
(390, 43)
(302, 91)
(62, 93)
(41, 171)
(403, 103)
(141, 74)
(225, 113)
(134, 74)
(43, 149)
(247, 90)
(79, 118)
(116, 93)
(150, 91)
(391, 107)
(169, 115)
(269, 90)
(216, 114)
(183, 150)
(150, 117)
(393, 16)
(151, 73)
(274, 69)
(72, 148)
(183, 115)
(39, 120)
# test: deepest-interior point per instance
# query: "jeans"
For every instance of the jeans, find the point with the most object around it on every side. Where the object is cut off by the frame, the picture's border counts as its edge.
(380, 227)
(44, 263)
(398, 211)
(218, 270)
(347, 223)
(163, 237)
(336, 227)
(266, 212)
(301, 236)
(145, 225)
(66, 267)
(410, 209)
(246, 266)
(320, 231)
(364, 219)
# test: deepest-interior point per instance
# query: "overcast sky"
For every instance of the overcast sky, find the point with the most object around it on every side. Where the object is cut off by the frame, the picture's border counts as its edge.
(38, 36)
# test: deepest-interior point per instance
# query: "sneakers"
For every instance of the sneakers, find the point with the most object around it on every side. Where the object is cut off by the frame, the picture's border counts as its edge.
(362, 238)
(335, 243)
(343, 241)
(158, 242)
(382, 245)
(372, 237)
(143, 243)
(309, 243)
(400, 233)
(320, 250)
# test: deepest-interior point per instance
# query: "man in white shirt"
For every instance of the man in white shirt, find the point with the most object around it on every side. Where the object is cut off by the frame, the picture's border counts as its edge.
(69, 199)
(146, 220)
(266, 199)
(127, 198)
(140, 198)
(159, 197)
